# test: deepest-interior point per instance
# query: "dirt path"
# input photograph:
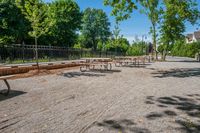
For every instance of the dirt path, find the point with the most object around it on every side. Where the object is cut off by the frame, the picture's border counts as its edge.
(160, 97)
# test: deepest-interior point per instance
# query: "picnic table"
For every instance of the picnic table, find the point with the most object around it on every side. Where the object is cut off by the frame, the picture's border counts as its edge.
(91, 63)
(126, 60)
(5, 78)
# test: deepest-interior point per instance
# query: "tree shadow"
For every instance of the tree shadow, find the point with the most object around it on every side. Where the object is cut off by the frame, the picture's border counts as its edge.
(105, 71)
(178, 73)
(135, 66)
(12, 94)
(189, 105)
(78, 74)
(123, 126)
(186, 61)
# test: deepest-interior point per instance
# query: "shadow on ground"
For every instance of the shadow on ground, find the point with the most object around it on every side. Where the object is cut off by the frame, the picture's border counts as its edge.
(186, 61)
(78, 74)
(122, 126)
(135, 66)
(105, 71)
(90, 73)
(189, 106)
(179, 73)
(12, 94)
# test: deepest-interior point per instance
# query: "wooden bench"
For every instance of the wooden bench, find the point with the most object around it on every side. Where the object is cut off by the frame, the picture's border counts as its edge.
(5, 78)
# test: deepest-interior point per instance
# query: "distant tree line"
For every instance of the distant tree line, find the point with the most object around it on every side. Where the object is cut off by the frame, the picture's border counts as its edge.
(181, 48)
(58, 23)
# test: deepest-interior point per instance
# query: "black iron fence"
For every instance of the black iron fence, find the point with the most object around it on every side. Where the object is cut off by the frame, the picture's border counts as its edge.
(26, 53)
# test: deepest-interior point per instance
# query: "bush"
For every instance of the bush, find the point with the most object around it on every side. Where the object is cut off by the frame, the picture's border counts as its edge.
(137, 49)
(186, 50)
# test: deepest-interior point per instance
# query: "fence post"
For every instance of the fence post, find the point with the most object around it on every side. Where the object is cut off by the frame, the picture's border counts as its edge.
(49, 52)
(81, 53)
(67, 53)
(23, 51)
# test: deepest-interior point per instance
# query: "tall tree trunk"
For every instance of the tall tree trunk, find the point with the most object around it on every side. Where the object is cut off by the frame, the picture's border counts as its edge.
(154, 54)
(164, 56)
(36, 53)
(94, 44)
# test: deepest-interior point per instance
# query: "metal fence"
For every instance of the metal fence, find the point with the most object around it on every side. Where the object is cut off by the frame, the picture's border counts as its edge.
(26, 53)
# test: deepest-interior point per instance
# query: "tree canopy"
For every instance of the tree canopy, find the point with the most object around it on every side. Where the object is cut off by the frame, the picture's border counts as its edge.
(174, 16)
(95, 27)
(13, 24)
(66, 16)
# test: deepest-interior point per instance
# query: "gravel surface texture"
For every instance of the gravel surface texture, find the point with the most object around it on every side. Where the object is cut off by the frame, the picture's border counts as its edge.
(161, 97)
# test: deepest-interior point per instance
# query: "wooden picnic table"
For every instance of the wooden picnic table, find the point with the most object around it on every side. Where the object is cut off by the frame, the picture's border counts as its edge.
(90, 63)
(5, 78)
(136, 60)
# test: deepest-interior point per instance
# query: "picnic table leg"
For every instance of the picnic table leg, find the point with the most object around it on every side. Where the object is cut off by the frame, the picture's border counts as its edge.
(8, 86)
(110, 66)
(81, 69)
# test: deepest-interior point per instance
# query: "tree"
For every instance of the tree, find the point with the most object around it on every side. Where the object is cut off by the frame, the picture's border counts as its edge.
(67, 17)
(137, 49)
(36, 12)
(118, 45)
(176, 13)
(95, 27)
(13, 25)
(151, 9)
(122, 10)
(116, 31)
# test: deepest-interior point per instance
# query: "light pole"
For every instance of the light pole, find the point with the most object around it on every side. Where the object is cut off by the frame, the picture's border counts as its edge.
(143, 42)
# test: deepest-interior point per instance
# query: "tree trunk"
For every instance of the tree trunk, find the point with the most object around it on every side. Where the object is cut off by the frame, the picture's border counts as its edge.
(94, 45)
(36, 53)
(154, 42)
(164, 54)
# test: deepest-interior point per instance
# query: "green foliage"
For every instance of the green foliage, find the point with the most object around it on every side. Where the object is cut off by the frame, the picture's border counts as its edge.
(54, 23)
(78, 46)
(95, 27)
(137, 49)
(4, 39)
(174, 16)
(66, 16)
(151, 9)
(36, 12)
(121, 8)
(116, 31)
(80, 42)
(180, 48)
(117, 45)
(13, 25)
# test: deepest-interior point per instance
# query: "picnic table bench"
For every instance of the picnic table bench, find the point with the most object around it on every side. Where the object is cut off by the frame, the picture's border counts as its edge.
(5, 78)
(90, 63)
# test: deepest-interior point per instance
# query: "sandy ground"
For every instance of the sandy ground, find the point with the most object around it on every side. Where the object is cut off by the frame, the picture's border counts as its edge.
(161, 97)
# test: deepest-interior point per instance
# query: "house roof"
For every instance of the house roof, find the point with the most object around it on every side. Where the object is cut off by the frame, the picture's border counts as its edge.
(197, 34)
(189, 36)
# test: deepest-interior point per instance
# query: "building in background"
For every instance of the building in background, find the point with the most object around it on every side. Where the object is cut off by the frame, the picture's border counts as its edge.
(194, 37)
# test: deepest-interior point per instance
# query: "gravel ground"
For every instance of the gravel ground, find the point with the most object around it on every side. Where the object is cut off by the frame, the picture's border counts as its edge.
(161, 97)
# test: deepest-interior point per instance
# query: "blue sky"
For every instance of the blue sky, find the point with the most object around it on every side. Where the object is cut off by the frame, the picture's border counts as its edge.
(137, 25)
